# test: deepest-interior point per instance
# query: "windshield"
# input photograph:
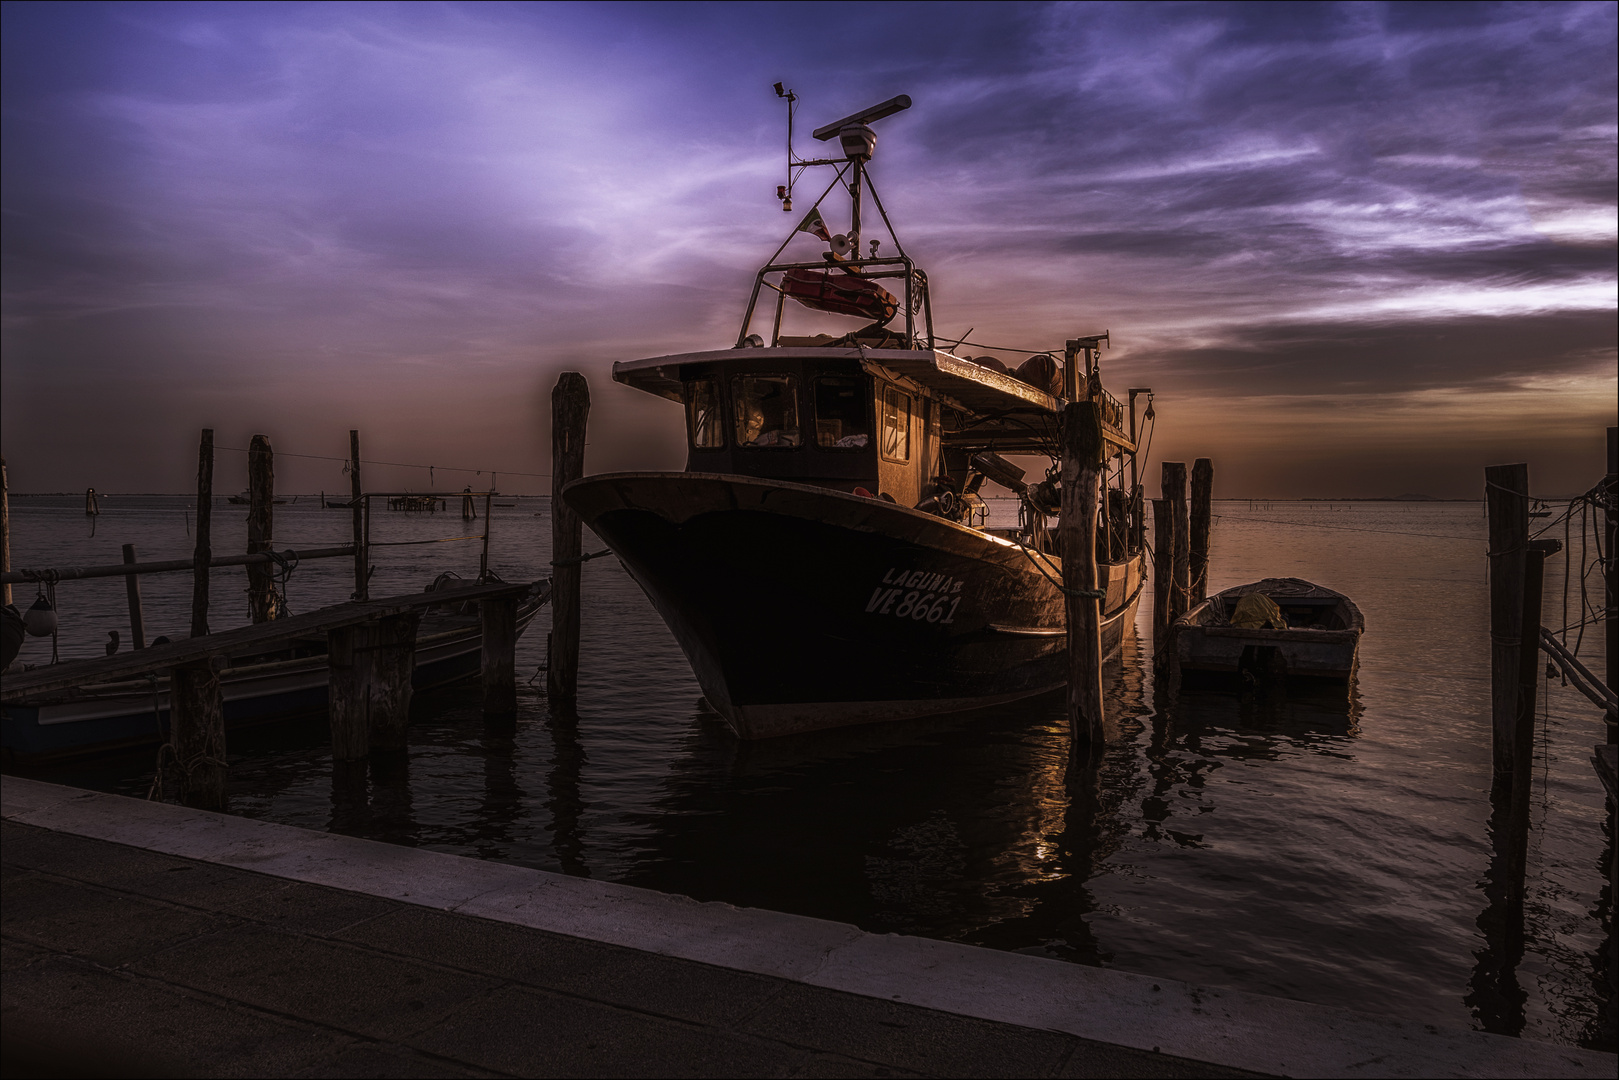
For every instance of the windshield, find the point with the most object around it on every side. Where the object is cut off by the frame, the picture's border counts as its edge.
(840, 413)
(766, 410)
(704, 422)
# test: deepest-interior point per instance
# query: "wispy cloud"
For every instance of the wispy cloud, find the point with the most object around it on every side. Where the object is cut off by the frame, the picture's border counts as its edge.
(375, 200)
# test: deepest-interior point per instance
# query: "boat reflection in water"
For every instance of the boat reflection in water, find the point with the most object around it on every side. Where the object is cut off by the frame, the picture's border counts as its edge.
(975, 827)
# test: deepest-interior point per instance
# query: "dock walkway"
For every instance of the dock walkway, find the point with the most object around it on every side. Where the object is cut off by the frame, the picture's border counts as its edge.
(267, 635)
(144, 938)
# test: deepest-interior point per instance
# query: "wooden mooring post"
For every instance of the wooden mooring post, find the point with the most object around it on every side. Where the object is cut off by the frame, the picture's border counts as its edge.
(132, 589)
(1202, 518)
(570, 413)
(197, 733)
(370, 666)
(204, 553)
(261, 604)
(498, 621)
(1506, 497)
(1174, 489)
(1163, 582)
(1082, 449)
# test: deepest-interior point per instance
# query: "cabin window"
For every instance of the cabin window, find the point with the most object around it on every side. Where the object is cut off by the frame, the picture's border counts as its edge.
(840, 413)
(766, 410)
(704, 419)
(896, 424)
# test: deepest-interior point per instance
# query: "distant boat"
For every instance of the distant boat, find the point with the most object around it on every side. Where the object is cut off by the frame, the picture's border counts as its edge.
(246, 499)
(1225, 639)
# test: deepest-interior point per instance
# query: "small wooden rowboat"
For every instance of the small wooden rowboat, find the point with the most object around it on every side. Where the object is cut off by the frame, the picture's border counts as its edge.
(1320, 641)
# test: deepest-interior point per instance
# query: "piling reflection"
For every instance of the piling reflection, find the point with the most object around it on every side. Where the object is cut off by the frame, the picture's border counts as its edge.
(1602, 1030)
(501, 808)
(565, 803)
(1494, 993)
(372, 798)
(977, 828)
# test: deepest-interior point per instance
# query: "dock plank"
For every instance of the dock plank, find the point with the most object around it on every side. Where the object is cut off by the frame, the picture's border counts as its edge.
(17, 685)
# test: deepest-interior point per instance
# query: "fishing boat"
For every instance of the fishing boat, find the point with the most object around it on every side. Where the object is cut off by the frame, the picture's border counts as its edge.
(1275, 629)
(245, 498)
(257, 689)
(824, 558)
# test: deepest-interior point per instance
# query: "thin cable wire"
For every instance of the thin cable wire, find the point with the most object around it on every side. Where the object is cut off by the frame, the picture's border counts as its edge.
(1351, 528)
(395, 464)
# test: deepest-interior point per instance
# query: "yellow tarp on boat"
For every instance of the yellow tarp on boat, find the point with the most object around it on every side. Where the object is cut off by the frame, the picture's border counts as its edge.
(1256, 611)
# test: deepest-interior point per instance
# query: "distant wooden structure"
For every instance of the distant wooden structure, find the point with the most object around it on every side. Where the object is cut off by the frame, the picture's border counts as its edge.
(418, 504)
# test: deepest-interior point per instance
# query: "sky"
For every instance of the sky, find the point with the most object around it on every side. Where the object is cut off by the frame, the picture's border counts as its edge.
(1355, 249)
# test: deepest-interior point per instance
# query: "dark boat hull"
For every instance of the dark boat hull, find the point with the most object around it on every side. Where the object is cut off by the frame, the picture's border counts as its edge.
(802, 608)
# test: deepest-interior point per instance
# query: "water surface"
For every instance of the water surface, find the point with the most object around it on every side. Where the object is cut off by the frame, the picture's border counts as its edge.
(1335, 851)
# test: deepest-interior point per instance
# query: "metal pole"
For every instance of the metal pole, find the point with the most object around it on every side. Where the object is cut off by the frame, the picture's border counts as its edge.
(132, 587)
(361, 556)
(203, 553)
(483, 560)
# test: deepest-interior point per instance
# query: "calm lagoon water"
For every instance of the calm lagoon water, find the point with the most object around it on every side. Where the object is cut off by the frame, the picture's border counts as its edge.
(1334, 852)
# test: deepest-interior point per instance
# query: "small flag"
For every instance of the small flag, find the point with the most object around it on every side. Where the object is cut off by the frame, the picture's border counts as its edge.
(812, 223)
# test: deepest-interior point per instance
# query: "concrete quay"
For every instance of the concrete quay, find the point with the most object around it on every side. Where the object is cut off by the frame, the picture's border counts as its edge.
(140, 938)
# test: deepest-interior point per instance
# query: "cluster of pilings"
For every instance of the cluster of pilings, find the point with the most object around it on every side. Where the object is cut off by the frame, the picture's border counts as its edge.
(1517, 640)
(1180, 557)
(1180, 560)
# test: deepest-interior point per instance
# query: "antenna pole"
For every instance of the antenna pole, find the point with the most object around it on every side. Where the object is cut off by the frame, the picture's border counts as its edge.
(854, 220)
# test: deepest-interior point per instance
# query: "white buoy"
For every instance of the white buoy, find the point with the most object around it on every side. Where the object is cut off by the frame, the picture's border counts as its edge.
(40, 619)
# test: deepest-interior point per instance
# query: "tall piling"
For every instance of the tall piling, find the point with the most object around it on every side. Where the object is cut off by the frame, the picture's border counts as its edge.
(1082, 448)
(197, 734)
(362, 557)
(497, 619)
(570, 413)
(389, 691)
(349, 652)
(1174, 489)
(1163, 582)
(203, 553)
(369, 669)
(91, 506)
(261, 604)
(5, 527)
(132, 592)
(1506, 497)
(1202, 518)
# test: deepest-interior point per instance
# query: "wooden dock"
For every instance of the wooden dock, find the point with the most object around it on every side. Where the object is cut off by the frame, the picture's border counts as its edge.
(260, 637)
(370, 657)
